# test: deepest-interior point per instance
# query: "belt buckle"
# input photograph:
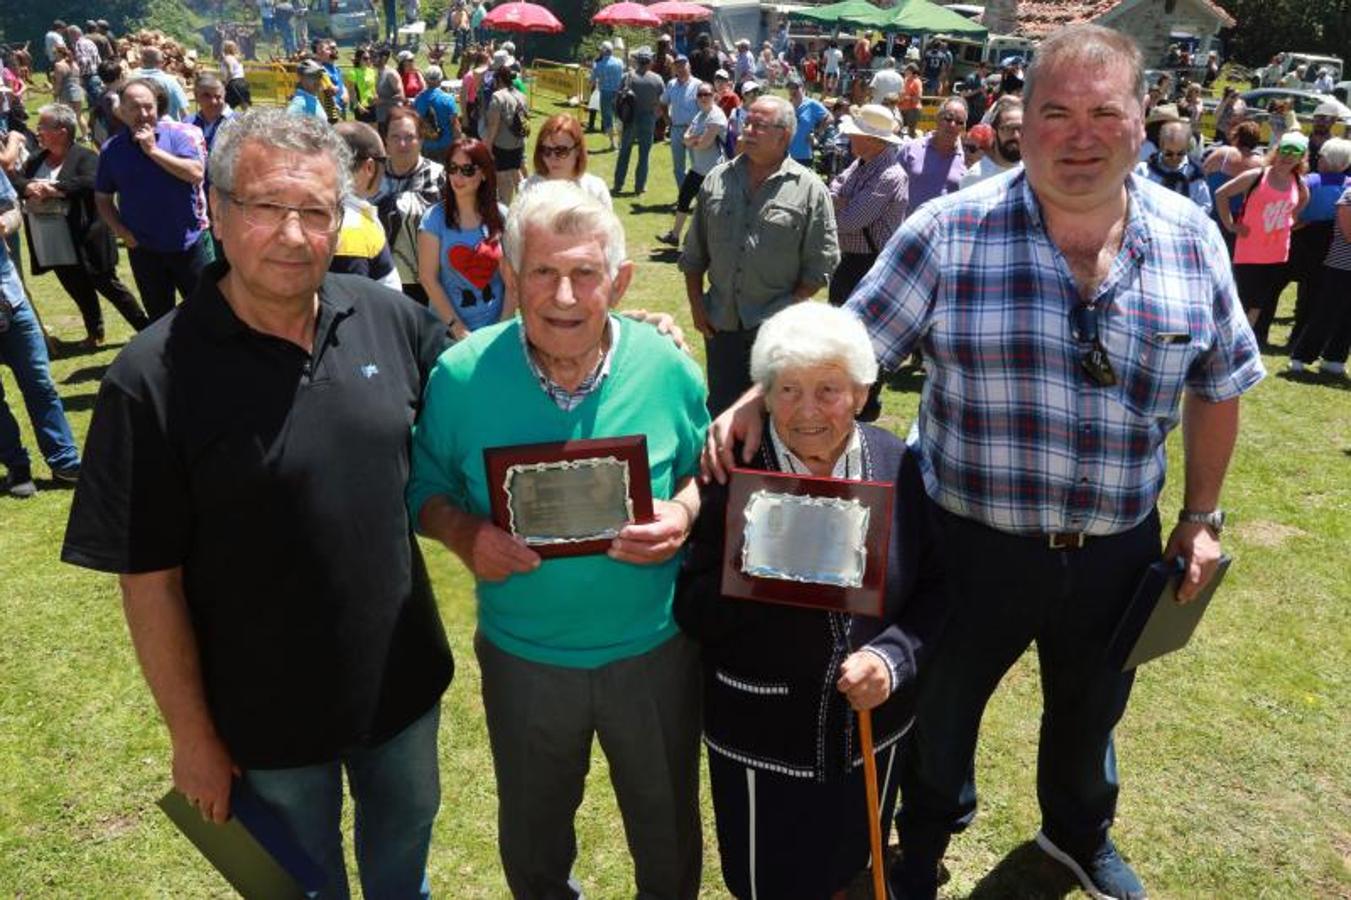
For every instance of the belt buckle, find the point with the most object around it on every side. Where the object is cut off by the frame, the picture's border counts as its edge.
(1065, 540)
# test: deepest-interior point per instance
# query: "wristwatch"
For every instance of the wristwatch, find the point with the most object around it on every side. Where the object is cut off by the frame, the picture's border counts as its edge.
(1213, 519)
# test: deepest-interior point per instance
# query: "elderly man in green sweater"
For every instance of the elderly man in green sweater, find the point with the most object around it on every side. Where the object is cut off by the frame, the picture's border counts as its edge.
(574, 646)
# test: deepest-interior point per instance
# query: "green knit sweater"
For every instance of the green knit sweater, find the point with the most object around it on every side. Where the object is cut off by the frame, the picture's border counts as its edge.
(585, 611)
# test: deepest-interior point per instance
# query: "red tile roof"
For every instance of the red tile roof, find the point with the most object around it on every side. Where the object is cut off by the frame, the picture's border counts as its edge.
(1038, 18)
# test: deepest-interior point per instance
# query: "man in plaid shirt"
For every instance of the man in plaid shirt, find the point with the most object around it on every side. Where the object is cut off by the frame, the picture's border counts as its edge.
(1062, 312)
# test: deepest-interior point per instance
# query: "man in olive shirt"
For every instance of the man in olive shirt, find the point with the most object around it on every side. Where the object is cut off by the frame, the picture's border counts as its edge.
(764, 232)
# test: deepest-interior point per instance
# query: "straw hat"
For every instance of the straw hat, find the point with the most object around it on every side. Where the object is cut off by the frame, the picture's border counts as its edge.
(871, 120)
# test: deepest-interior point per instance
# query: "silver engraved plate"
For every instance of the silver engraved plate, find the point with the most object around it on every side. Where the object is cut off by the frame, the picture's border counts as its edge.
(569, 501)
(820, 540)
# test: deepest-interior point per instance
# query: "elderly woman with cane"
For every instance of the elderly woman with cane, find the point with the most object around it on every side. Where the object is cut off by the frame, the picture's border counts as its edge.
(782, 684)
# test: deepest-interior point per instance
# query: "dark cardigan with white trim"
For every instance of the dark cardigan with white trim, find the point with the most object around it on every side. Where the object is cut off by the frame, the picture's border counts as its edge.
(770, 699)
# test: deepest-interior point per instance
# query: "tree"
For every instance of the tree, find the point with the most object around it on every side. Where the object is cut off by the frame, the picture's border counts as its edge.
(1266, 27)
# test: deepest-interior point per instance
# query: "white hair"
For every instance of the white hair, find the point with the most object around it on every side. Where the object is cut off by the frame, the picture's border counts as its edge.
(784, 115)
(277, 129)
(1337, 152)
(561, 207)
(810, 334)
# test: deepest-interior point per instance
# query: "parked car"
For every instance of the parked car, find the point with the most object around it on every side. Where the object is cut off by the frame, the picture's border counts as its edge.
(345, 20)
(1312, 62)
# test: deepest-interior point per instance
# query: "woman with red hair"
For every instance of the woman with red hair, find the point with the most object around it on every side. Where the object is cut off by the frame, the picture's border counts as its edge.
(560, 154)
(460, 243)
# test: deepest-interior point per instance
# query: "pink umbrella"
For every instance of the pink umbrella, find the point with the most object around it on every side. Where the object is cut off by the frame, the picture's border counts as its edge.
(516, 16)
(680, 11)
(625, 12)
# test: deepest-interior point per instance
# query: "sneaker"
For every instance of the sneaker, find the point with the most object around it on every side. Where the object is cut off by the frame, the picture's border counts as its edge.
(1332, 368)
(1297, 367)
(669, 238)
(19, 483)
(1103, 873)
(67, 474)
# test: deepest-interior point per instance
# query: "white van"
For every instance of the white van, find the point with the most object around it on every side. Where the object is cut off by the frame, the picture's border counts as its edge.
(1291, 60)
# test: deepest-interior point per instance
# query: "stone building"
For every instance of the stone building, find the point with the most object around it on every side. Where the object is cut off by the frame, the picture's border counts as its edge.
(1150, 22)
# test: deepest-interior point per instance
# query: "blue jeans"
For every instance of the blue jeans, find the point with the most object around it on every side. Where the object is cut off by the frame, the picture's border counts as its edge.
(288, 37)
(1069, 603)
(396, 790)
(678, 152)
(159, 274)
(24, 350)
(640, 130)
(607, 111)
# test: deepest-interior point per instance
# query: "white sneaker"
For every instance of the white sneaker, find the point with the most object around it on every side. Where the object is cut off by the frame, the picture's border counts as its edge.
(1296, 366)
(1332, 368)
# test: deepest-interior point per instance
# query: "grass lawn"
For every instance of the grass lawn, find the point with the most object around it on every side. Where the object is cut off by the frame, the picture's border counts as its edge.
(1233, 753)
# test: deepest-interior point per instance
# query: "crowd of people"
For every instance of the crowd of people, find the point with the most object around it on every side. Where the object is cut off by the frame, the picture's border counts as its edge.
(395, 284)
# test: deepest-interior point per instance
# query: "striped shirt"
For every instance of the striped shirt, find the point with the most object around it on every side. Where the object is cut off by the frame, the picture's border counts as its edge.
(1011, 432)
(871, 197)
(568, 400)
(1339, 253)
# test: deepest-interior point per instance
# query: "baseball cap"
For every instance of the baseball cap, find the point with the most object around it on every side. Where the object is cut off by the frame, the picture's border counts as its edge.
(404, 54)
(309, 67)
(748, 86)
(644, 53)
(1294, 140)
(721, 74)
(680, 57)
(794, 81)
(606, 45)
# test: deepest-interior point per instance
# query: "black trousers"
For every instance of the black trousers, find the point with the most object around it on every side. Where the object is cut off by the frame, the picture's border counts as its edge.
(1328, 331)
(158, 275)
(850, 271)
(84, 288)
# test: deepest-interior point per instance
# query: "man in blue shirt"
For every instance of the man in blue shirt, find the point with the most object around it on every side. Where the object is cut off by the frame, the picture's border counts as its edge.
(1057, 359)
(305, 101)
(326, 52)
(151, 59)
(438, 104)
(606, 75)
(812, 118)
(24, 350)
(680, 102)
(155, 171)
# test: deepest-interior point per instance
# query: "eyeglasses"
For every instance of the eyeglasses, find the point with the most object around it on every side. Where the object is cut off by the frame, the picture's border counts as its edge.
(702, 94)
(557, 151)
(1094, 362)
(1010, 129)
(468, 171)
(265, 214)
(970, 148)
(760, 124)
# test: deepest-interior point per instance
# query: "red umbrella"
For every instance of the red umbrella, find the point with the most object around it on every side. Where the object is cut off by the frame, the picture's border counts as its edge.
(680, 11)
(516, 16)
(634, 15)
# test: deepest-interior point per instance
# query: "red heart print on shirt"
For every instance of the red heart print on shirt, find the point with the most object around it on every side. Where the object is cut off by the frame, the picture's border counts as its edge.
(476, 264)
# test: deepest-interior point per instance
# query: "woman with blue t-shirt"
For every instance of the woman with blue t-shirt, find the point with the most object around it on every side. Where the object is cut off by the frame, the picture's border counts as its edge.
(460, 244)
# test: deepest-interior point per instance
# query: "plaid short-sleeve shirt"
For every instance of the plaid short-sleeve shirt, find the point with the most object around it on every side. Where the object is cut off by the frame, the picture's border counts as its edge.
(1011, 432)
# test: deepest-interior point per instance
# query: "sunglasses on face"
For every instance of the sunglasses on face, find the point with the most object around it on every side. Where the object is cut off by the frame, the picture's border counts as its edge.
(468, 171)
(1291, 151)
(1094, 361)
(702, 94)
(557, 151)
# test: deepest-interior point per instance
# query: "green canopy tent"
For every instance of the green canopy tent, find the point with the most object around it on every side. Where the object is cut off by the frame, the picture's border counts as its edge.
(921, 17)
(846, 12)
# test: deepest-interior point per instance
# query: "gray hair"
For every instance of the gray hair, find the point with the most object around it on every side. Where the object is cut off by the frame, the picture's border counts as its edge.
(955, 100)
(151, 57)
(209, 81)
(278, 129)
(63, 116)
(811, 334)
(561, 207)
(1336, 152)
(784, 115)
(1003, 105)
(1086, 46)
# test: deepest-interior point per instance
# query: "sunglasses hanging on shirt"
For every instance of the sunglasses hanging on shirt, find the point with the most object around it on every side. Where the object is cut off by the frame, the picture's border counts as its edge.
(1094, 361)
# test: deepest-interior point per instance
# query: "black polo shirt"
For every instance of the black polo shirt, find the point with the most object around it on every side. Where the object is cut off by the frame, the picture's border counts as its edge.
(275, 478)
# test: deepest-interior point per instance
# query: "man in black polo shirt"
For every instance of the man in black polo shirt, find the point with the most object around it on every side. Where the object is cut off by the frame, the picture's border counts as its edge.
(244, 476)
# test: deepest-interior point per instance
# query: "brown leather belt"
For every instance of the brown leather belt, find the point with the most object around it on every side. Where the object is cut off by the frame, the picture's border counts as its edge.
(1065, 540)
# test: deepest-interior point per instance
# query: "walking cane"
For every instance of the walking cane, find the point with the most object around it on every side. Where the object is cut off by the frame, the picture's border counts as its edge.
(865, 730)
